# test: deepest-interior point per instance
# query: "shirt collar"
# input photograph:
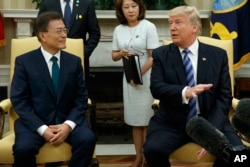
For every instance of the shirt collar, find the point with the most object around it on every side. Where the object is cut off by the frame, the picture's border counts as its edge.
(192, 48)
(64, 2)
(48, 56)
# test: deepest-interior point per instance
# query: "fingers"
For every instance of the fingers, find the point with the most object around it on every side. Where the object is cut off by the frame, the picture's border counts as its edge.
(56, 139)
(193, 92)
(124, 53)
(48, 134)
(125, 56)
(201, 153)
(55, 132)
(132, 83)
(198, 89)
(61, 132)
(204, 86)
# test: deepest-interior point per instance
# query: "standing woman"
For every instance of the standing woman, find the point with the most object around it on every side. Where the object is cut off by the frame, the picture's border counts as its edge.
(137, 35)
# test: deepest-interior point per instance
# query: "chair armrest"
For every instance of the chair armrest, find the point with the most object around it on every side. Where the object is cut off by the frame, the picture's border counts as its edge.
(89, 112)
(155, 104)
(89, 103)
(2, 118)
(235, 103)
(5, 105)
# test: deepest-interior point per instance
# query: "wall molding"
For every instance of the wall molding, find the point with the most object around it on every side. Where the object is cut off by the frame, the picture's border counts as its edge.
(101, 14)
(101, 56)
(24, 19)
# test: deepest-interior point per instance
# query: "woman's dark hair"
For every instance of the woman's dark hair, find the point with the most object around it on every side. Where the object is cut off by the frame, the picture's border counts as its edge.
(43, 20)
(120, 16)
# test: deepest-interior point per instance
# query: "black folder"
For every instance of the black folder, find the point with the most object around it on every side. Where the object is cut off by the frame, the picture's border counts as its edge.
(132, 69)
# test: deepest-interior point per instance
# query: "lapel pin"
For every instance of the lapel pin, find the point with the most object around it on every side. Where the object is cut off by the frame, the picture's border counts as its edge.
(77, 3)
(204, 59)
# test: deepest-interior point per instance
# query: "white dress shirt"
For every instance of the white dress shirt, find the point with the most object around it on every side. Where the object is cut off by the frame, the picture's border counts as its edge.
(193, 55)
(47, 57)
(63, 4)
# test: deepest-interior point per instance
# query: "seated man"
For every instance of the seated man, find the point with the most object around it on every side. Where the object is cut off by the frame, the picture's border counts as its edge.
(190, 79)
(48, 92)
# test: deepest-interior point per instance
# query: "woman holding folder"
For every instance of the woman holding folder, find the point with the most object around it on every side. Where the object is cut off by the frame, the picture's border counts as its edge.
(135, 37)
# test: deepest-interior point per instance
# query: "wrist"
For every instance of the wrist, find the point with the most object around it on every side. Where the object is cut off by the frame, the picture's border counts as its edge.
(121, 54)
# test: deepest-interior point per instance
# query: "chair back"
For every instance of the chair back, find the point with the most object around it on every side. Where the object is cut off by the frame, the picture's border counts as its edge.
(224, 44)
(23, 45)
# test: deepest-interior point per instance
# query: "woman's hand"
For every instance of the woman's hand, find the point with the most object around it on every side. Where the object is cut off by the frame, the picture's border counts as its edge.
(125, 53)
(132, 83)
(119, 54)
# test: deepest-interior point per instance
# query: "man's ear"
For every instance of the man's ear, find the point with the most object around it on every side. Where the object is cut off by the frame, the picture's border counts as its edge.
(42, 36)
(195, 28)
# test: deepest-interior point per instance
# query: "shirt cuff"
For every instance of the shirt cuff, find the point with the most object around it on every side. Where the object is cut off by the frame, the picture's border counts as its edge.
(71, 124)
(42, 129)
(184, 99)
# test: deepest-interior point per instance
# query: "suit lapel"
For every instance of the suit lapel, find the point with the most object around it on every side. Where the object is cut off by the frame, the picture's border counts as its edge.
(177, 63)
(202, 65)
(42, 68)
(63, 74)
(58, 7)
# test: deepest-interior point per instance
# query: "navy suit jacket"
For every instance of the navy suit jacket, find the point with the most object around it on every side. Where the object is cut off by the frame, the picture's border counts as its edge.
(33, 95)
(168, 80)
(83, 21)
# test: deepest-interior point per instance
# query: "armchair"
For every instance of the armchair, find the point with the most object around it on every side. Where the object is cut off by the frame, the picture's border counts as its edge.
(188, 151)
(47, 153)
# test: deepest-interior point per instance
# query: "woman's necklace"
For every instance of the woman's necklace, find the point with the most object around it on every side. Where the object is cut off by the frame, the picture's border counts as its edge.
(132, 31)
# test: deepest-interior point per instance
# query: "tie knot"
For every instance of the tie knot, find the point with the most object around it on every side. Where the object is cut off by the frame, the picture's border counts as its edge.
(67, 1)
(53, 59)
(186, 51)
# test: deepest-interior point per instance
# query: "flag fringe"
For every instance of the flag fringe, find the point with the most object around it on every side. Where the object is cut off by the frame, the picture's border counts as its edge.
(242, 60)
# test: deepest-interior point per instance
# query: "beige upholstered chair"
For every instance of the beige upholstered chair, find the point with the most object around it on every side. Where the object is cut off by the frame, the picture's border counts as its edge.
(188, 152)
(47, 153)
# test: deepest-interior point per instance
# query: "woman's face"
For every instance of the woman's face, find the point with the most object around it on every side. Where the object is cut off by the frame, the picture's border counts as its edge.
(130, 10)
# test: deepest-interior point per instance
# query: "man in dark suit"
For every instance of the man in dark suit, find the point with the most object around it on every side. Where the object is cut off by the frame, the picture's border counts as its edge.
(211, 90)
(83, 21)
(47, 112)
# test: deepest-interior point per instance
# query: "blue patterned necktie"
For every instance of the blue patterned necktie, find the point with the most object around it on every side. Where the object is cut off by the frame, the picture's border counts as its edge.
(67, 14)
(190, 80)
(55, 72)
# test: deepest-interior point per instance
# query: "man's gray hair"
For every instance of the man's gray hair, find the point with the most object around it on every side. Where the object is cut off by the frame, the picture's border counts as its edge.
(192, 13)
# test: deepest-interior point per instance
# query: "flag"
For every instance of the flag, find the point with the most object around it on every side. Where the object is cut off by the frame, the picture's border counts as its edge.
(2, 36)
(230, 20)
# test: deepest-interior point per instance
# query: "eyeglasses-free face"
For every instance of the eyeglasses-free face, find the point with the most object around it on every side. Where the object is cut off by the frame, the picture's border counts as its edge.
(130, 10)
